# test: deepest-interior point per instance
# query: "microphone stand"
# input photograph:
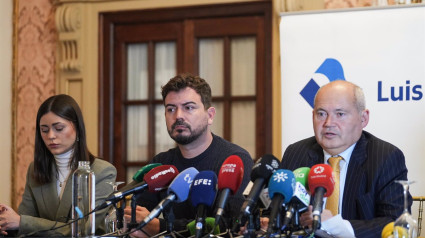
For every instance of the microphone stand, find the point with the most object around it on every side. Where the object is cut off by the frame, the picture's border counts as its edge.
(296, 228)
(133, 223)
(296, 221)
(200, 220)
(250, 227)
(169, 217)
(253, 224)
(293, 225)
(279, 223)
(120, 214)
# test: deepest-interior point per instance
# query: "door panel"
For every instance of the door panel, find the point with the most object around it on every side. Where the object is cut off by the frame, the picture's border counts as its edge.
(229, 45)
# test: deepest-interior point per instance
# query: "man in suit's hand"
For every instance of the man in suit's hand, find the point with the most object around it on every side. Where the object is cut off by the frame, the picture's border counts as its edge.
(306, 218)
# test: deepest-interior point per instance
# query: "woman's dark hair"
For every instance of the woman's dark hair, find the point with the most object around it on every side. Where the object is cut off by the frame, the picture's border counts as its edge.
(44, 162)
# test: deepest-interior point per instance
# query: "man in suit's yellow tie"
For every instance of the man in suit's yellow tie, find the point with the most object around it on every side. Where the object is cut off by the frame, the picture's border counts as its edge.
(332, 203)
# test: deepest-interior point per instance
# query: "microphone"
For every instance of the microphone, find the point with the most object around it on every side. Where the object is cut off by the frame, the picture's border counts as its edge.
(260, 175)
(202, 196)
(301, 175)
(301, 199)
(209, 226)
(155, 180)
(281, 190)
(160, 177)
(230, 178)
(138, 176)
(321, 184)
(178, 191)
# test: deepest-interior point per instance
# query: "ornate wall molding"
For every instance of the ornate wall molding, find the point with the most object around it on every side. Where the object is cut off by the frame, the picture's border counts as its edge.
(305, 5)
(68, 23)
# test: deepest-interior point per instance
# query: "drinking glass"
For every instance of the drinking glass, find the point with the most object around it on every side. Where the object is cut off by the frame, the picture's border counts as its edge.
(111, 216)
(405, 226)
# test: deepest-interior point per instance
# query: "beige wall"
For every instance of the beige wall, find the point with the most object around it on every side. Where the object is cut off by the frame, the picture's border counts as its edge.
(34, 64)
(76, 23)
(6, 23)
(80, 18)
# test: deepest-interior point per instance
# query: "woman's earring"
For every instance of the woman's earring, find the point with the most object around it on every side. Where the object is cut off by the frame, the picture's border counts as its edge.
(78, 138)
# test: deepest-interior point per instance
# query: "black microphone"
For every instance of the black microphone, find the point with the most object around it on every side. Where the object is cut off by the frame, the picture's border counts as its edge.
(321, 184)
(260, 175)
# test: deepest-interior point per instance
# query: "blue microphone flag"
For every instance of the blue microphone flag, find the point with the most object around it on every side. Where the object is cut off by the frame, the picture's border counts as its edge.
(181, 184)
(282, 181)
(204, 188)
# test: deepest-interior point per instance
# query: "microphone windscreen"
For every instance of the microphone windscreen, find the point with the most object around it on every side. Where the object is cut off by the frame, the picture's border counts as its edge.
(231, 174)
(181, 184)
(264, 167)
(282, 182)
(301, 175)
(320, 175)
(209, 224)
(160, 177)
(204, 188)
(138, 176)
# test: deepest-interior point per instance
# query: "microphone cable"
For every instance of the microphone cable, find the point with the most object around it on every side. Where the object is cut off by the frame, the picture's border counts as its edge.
(134, 230)
(173, 234)
(309, 233)
(81, 216)
(210, 234)
(35, 232)
(110, 234)
(228, 231)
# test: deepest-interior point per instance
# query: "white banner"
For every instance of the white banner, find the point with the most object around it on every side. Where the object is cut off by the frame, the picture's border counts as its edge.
(380, 49)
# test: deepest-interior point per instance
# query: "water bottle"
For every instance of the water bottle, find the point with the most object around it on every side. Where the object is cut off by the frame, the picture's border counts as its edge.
(83, 200)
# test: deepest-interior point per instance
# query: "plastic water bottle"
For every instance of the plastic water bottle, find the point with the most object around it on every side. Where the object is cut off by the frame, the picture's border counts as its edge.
(83, 200)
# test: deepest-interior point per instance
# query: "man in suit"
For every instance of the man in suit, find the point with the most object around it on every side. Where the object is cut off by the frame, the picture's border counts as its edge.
(368, 196)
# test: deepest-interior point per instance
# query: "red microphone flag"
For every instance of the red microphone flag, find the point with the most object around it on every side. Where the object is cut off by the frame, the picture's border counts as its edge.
(160, 177)
(320, 175)
(231, 174)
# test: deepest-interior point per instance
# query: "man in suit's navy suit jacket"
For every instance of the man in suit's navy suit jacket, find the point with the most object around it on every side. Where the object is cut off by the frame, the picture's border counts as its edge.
(371, 198)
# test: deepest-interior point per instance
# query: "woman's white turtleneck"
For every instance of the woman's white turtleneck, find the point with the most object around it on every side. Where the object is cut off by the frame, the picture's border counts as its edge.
(62, 163)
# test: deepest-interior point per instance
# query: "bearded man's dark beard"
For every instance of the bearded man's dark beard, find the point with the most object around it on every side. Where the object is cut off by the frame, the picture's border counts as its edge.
(184, 140)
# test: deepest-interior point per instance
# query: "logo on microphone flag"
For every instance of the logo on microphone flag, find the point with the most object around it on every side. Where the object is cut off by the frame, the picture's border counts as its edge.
(318, 170)
(280, 177)
(275, 164)
(188, 179)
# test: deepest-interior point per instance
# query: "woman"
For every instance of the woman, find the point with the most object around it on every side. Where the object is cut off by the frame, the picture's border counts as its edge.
(60, 142)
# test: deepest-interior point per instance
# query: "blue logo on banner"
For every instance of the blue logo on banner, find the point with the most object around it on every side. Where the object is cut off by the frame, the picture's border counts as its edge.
(332, 69)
